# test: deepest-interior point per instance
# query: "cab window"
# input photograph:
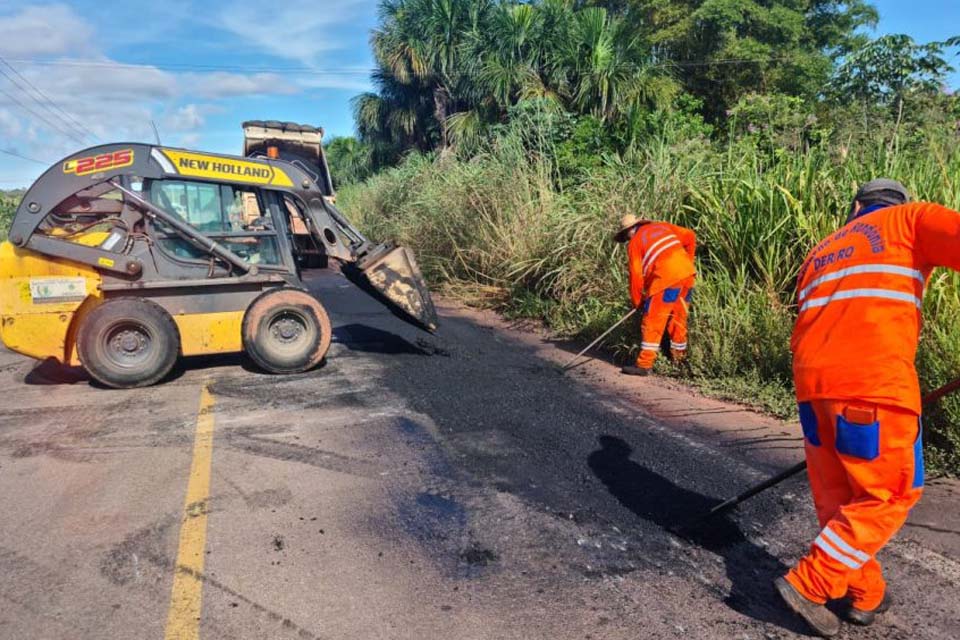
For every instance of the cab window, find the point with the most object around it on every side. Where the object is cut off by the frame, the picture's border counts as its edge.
(232, 215)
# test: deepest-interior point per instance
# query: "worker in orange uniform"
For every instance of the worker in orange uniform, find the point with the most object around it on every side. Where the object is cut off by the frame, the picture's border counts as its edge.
(860, 295)
(661, 280)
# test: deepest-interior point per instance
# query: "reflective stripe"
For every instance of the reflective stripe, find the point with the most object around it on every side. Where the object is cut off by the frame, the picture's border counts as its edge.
(653, 252)
(653, 247)
(836, 555)
(861, 269)
(888, 294)
(843, 546)
(650, 346)
(679, 346)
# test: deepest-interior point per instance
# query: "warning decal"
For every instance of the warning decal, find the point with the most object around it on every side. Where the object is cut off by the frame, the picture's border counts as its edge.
(58, 289)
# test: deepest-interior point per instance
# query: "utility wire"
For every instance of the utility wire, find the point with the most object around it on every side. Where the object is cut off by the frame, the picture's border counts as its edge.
(174, 66)
(51, 106)
(69, 134)
(22, 157)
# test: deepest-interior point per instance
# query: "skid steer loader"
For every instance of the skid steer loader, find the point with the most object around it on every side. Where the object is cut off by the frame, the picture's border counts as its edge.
(123, 257)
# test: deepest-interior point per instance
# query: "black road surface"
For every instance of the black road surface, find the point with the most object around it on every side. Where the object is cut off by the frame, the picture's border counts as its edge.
(414, 486)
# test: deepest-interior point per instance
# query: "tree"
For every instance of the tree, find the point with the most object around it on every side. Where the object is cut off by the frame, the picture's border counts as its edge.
(349, 160)
(726, 49)
(421, 70)
(449, 70)
(891, 70)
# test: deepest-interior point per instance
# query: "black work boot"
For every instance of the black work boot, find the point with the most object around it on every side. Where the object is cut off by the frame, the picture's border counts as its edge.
(820, 619)
(636, 371)
(866, 618)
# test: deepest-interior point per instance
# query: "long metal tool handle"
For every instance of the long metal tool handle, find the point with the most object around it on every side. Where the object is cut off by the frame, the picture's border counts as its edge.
(763, 486)
(604, 335)
(800, 467)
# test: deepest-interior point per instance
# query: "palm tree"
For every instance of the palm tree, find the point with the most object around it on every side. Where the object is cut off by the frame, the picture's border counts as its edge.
(449, 69)
(420, 47)
(609, 67)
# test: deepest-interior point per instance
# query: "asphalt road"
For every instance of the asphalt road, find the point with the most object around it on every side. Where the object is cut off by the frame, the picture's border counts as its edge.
(414, 486)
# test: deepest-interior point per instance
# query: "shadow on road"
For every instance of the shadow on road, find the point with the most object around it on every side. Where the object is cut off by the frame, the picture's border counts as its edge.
(52, 373)
(356, 337)
(750, 568)
(359, 337)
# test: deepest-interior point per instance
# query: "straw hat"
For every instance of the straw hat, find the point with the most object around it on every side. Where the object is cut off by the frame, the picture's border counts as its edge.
(627, 222)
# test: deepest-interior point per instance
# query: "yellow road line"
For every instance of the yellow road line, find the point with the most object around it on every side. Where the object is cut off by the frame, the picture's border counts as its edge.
(183, 620)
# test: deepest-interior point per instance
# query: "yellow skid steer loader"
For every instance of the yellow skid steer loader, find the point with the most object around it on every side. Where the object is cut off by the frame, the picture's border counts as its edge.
(123, 257)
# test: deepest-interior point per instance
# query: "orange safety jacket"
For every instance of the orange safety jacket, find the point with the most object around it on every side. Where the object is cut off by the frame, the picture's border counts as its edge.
(661, 255)
(860, 296)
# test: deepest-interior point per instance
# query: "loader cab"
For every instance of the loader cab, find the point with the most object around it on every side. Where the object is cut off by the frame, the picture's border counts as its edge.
(245, 219)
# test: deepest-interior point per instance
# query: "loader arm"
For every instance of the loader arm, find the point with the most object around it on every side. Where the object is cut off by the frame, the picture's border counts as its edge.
(387, 272)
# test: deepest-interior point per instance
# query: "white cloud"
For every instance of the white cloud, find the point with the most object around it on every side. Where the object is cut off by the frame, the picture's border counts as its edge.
(102, 79)
(44, 30)
(68, 50)
(296, 30)
(347, 81)
(185, 118)
(114, 101)
(221, 84)
(189, 140)
(10, 126)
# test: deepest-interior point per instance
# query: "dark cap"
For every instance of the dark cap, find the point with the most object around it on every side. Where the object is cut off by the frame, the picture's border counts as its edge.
(883, 191)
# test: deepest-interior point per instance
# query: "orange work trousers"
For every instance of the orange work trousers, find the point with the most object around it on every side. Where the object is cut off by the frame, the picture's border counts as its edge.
(669, 306)
(865, 464)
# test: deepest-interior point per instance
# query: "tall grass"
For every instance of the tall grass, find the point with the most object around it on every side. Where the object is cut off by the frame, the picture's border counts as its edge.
(501, 230)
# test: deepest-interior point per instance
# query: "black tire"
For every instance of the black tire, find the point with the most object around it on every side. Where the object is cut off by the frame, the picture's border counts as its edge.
(128, 342)
(286, 331)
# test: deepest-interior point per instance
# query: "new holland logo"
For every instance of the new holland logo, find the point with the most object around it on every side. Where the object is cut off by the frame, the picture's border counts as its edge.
(102, 162)
(199, 165)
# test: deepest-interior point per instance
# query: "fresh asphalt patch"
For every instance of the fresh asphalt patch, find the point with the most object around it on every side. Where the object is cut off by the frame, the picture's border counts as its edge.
(413, 486)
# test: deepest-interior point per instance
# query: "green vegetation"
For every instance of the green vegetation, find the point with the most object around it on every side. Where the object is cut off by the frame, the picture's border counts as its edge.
(505, 140)
(8, 205)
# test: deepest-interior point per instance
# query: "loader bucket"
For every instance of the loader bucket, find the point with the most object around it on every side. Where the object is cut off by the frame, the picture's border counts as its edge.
(392, 275)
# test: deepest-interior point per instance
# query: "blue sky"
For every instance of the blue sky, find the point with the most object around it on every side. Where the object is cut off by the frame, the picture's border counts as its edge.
(200, 68)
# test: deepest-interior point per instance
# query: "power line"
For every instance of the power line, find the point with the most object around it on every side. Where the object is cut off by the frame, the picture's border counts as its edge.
(66, 130)
(51, 105)
(40, 116)
(175, 66)
(22, 157)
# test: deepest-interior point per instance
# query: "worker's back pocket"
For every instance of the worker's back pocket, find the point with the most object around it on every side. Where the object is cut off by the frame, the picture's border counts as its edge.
(672, 295)
(808, 420)
(858, 440)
